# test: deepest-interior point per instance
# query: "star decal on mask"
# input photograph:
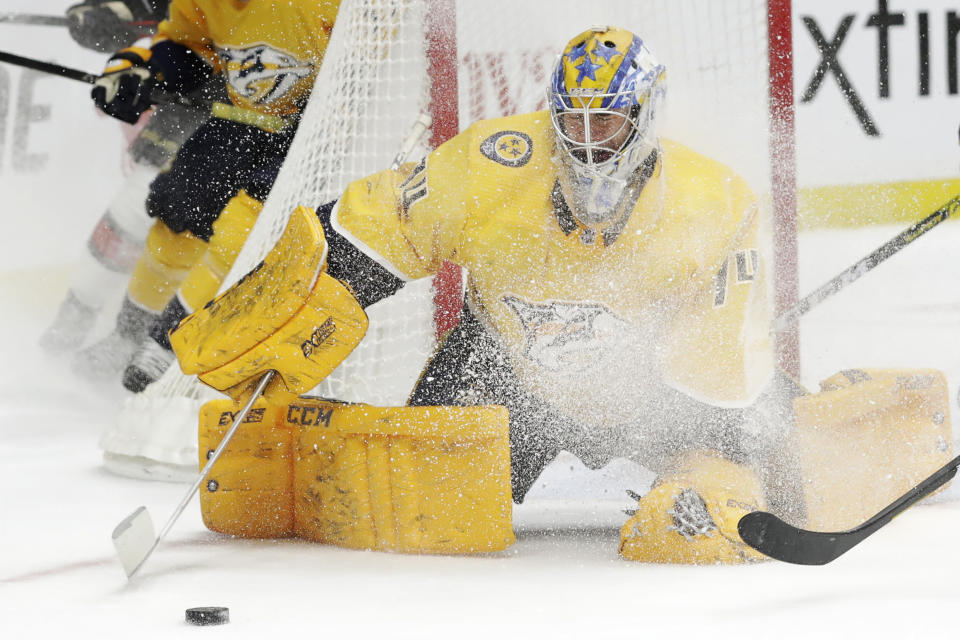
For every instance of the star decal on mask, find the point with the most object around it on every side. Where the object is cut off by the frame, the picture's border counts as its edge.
(605, 52)
(577, 52)
(587, 68)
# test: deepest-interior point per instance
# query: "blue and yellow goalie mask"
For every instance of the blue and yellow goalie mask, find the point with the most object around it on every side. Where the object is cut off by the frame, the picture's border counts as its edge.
(605, 97)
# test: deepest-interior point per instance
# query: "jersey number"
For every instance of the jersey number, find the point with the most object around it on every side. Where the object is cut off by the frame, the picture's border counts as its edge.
(747, 268)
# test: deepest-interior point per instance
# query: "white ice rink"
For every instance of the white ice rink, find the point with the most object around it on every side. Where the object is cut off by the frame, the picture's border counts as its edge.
(59, 576)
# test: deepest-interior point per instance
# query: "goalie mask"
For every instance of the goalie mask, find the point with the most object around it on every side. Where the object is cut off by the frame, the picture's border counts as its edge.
(605, 95)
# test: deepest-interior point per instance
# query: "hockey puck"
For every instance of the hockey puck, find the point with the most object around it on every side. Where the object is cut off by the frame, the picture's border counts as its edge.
(205, 616)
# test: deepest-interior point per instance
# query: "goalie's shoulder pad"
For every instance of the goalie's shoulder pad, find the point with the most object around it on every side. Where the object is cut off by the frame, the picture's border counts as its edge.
(259, 303)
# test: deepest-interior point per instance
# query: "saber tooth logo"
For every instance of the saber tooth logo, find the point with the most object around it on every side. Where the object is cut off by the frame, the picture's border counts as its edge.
(262, 74)
(564, 335)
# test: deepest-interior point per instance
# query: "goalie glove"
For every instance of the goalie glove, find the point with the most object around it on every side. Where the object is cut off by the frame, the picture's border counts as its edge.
(123, 91)
(107, 26)
(287, 315)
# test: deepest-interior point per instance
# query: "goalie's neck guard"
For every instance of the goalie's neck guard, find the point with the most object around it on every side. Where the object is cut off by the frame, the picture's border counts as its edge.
(608, 231)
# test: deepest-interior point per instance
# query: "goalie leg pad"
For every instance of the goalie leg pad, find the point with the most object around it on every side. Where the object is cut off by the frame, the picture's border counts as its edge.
(866, 439)
(163, 265)
(249, 491)
(690, 515)
(409, 479)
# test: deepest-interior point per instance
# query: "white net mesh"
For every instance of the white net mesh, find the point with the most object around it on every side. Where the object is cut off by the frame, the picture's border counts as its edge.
(372, 86)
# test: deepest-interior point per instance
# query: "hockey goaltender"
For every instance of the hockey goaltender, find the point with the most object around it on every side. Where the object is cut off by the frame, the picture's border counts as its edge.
(616, 307)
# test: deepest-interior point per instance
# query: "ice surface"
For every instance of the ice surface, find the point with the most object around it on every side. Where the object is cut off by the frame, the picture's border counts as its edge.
(59, 575)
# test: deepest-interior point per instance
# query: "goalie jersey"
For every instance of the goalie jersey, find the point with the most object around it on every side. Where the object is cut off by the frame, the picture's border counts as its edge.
(269, 52)
(675, 296)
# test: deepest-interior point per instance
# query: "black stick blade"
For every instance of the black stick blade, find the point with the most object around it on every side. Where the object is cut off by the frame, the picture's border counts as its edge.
(773, 537)
(776, 539)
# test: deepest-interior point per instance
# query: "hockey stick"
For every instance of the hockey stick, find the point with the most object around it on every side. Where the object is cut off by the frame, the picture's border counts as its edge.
(62, 21)
(34, 19)
(134, 538)
(773, 537)
(852, 273)
(157, 97)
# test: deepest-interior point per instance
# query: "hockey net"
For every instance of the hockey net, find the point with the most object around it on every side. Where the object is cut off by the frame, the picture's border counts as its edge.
(459, 61)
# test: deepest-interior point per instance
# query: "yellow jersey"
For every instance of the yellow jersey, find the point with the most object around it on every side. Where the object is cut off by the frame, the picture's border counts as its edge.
(678, 297)
(269, 52)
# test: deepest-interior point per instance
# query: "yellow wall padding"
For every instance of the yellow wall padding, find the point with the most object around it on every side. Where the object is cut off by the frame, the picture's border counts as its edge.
(858, 205)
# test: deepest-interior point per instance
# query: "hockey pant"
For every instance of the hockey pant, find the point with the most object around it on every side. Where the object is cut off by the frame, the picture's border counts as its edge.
(223, 162)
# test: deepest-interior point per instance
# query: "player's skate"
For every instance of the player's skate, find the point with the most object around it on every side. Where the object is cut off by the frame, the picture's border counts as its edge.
(690, 515)
(70, 327)
(105, 359)
(149, 362)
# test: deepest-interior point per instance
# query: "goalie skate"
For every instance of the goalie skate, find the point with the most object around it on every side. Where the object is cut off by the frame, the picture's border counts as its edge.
(149, 362)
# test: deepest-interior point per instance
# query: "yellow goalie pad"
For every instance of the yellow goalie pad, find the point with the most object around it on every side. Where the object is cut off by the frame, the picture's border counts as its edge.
(409, 479)
(867, 438)
(286, 315)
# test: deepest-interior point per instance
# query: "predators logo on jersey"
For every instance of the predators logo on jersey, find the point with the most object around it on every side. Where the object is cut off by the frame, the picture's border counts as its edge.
(509, 148)
(565, 335)
(262, 74)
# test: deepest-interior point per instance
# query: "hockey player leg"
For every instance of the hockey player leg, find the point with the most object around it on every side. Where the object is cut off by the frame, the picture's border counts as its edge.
(154, 355)
(690, 515)
(112, 250)
(160, 268)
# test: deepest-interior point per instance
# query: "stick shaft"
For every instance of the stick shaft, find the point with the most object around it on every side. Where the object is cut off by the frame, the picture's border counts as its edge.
(930, 484)
(156, 96)
(48, 67)
(33, 18)
(862, 266)
(211, 460)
